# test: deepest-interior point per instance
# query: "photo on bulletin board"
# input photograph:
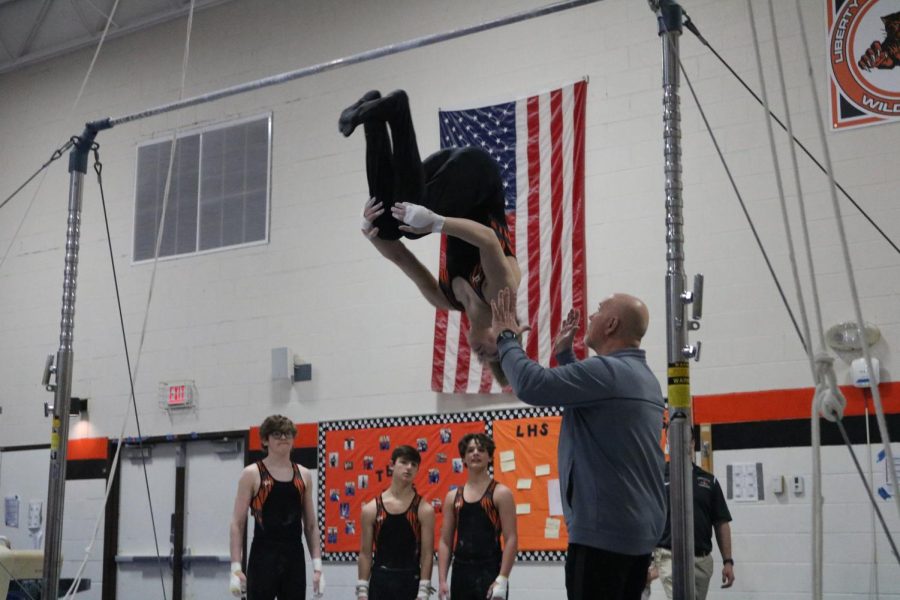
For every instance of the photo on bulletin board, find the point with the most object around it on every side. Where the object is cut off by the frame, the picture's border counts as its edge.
(355, 467)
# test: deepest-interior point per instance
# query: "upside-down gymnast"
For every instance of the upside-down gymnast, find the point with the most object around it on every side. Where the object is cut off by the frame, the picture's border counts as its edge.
(456, 191)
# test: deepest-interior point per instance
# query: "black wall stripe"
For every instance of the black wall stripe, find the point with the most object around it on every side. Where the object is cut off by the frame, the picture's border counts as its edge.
(94, 468)
(796, 433)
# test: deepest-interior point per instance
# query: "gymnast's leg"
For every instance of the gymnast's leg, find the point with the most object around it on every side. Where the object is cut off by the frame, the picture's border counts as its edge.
(408, 176)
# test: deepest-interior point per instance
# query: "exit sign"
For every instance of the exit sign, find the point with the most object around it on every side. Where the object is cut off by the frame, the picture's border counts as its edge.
(177, 394)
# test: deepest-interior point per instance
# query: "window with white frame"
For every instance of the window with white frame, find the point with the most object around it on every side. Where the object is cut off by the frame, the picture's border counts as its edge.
(218, 193)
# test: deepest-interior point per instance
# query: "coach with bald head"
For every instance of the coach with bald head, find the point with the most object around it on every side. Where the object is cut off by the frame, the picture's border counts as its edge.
(610, 460)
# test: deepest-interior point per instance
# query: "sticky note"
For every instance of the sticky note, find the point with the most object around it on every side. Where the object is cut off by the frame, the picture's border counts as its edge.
(508, 465)
(551, 529)
(523, 509)
(523, 484)
(542, 470)
(507, 455)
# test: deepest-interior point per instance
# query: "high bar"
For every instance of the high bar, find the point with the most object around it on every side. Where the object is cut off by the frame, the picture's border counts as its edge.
(353, 59)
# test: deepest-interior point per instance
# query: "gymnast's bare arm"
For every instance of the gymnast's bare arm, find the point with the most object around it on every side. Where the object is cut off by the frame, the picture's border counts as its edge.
(400, 255)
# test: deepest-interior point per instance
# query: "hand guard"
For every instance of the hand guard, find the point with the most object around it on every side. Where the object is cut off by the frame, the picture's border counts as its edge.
(235, 586)
(317, 566)
(420, 217)
(425, 590)
(362, 588)
(501, 587)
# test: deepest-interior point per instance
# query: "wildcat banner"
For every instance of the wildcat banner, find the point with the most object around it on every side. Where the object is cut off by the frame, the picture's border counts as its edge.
(864, 61)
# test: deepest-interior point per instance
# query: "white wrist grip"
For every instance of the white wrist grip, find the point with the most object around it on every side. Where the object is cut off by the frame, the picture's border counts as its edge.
(501, 587)
(234, 583)
(420, 217)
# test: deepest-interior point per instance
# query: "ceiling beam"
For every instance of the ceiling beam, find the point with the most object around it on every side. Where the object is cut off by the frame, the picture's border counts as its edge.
(42, 15)
(81, 17)
(115, 31)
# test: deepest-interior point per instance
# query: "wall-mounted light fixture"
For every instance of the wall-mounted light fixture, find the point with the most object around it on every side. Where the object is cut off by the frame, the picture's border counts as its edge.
(286, 365)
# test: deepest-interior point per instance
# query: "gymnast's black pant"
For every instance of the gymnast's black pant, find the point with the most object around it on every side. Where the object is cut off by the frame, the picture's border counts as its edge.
(276, 570)
(471, 581)
(454, 182)
(393, 584)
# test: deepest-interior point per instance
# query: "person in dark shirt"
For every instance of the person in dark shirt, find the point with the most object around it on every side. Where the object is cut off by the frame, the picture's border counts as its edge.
(399, 529)
(455, 191)
(278, 493)
(710, 514)
(476, 517)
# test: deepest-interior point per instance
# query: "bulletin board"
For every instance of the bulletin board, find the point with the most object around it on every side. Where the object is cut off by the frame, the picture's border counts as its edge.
(354, 455)
(525, 462)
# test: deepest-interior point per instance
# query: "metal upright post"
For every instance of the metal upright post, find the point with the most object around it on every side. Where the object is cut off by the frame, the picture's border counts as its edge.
(59, 437)
(681, 497)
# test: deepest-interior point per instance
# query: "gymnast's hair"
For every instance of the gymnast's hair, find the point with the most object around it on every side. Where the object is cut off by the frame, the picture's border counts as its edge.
(408, 453)
(275, 424)
(482, 441)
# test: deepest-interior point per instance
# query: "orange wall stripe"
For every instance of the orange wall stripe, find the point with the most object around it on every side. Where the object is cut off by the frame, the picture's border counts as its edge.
(307, 436)
(87, 449)
(779, 405)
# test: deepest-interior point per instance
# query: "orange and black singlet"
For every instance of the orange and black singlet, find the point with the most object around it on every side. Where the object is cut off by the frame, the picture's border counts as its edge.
(398, 537)
(277, 507)
(478, 528)
(464, 260)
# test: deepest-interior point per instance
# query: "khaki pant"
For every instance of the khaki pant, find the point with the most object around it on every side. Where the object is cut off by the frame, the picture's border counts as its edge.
(703, 568)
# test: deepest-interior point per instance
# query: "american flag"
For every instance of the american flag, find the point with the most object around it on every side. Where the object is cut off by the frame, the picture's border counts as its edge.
(538, 142)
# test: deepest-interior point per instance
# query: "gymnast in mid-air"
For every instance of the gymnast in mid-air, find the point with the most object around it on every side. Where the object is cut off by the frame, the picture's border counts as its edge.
(455, 191)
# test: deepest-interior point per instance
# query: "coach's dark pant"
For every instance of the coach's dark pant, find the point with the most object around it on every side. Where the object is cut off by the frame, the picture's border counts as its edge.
(594, 574)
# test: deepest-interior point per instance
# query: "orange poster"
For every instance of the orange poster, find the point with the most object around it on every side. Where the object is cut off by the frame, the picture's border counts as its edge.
(525, 461)
(356, 470)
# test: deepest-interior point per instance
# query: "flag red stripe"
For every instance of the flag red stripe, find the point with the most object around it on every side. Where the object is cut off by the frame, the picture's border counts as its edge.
(556, 216)
(579, 283)
(533, 225)
(463, 356)
(487, 378)
(440, 335)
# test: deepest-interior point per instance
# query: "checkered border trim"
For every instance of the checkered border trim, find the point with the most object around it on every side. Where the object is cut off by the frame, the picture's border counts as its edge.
(433, 419)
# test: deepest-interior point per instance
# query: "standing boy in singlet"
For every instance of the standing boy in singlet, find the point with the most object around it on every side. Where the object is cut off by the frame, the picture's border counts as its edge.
(399, 528)
(278, 492)
(475, 518)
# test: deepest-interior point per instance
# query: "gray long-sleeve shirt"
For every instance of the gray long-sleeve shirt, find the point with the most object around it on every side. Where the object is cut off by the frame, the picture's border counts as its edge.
(610, 459)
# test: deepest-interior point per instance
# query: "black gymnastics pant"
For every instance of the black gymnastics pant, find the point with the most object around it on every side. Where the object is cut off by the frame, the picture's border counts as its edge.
(393, 584)
(471, 580)
(276, 570)
(454, 182)
(595, 574)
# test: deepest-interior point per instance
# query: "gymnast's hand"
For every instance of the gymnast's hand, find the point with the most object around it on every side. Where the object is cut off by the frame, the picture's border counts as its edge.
(417, 219)
(567, 331)
(371, 211)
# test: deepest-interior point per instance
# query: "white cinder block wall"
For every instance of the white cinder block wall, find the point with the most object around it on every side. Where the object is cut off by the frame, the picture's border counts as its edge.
(319, 288)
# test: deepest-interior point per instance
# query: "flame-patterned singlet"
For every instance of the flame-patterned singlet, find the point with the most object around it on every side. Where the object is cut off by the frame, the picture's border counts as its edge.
(277, 506)
(478, 527)
(398, 537)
